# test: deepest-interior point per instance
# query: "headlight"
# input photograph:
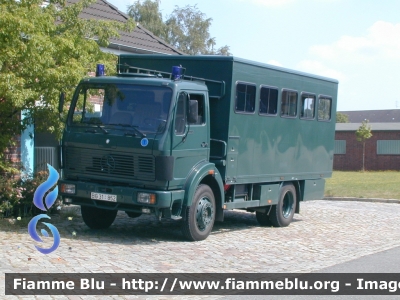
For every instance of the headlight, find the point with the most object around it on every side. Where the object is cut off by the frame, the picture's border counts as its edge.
(67, 188)
(146, 198)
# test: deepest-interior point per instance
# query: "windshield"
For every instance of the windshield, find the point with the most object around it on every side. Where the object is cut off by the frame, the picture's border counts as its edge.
(140, 106)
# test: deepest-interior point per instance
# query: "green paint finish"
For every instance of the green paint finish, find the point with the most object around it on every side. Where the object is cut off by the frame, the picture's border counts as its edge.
(232, 137)
(242, 204)
(197, 175)
(269, 194)
(125, 195)
(259, 147)
(313, 189)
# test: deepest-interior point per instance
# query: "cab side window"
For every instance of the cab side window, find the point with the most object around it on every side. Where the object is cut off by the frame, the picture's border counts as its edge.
(199, 98)
(180, 119)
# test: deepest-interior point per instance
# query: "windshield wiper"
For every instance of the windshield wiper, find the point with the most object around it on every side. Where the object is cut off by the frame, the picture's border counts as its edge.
(103, 129)
(134, 128)
(94, 130)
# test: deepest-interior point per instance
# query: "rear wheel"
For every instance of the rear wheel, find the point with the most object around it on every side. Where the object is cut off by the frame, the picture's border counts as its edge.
(200, 216)
(282, 214)
(263, 219)
(98, 218)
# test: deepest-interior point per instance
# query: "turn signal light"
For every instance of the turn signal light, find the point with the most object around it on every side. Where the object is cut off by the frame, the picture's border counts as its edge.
(146, 198)
(67, 188)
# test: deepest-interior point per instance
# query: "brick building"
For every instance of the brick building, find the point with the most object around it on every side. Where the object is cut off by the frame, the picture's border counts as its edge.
(382, 150)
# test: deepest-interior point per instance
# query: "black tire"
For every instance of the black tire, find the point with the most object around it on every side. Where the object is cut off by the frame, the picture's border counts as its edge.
(132, 214)
(282, 214)
(200, 216)
(263, 219)
(98, 218)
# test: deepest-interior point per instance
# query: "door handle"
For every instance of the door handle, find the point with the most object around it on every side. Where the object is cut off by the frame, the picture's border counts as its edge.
(204, 144)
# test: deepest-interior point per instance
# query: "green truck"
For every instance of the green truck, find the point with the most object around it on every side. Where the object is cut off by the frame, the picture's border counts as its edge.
(187, 137)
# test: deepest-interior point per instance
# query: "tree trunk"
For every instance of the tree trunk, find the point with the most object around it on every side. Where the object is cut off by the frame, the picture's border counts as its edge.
(363, 158)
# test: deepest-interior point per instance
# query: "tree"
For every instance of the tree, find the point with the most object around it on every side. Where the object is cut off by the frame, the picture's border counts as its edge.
(188, 31)
(342, 118)
(223, 51)
(45, 50)
(362, 135)
(148, 13)
(187, 28)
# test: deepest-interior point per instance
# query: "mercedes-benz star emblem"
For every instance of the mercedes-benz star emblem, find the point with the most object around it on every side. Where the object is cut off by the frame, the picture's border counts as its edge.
(107, 163)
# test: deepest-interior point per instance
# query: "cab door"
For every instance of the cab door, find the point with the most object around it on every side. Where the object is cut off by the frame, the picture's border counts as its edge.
(190, 140)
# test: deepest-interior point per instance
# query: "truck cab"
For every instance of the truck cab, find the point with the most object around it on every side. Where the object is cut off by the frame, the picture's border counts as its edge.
(134, 142)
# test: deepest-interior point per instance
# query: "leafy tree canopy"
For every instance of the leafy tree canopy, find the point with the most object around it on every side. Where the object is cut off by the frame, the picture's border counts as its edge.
(148, 13)
(363, 133)
(187, 28)
(45, 49)
(342, 118)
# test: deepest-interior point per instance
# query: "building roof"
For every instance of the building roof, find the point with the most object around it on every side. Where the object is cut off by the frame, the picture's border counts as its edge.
(140, 40)
(374, 126)
(373, 116)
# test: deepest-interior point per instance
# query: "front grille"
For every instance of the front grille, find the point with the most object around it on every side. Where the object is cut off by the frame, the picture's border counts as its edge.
(110, 164)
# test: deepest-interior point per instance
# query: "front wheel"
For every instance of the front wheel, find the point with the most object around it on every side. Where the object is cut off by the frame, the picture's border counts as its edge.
(282, 214)
(98, 218)
(200, 216)
(132, 214)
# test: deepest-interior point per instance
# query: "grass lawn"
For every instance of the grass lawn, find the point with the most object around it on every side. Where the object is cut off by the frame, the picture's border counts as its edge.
(384, 185)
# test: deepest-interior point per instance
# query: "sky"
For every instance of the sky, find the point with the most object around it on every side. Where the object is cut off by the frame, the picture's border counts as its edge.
(356, 42)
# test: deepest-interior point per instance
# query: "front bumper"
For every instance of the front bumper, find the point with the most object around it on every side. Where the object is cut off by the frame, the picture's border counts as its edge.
(168, 203)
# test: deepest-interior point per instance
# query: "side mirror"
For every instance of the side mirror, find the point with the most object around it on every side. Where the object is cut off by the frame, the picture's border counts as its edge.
(193, 111)
(61, 102)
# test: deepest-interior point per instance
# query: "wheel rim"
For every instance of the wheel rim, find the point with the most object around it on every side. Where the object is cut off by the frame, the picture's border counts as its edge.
(287, 205)
(204, 213)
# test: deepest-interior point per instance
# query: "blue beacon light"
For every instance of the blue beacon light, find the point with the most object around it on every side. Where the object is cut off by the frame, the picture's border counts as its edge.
(176, 72)
(99, 70)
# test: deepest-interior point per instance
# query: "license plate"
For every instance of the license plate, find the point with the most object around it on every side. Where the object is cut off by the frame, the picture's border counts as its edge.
(104, 197)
